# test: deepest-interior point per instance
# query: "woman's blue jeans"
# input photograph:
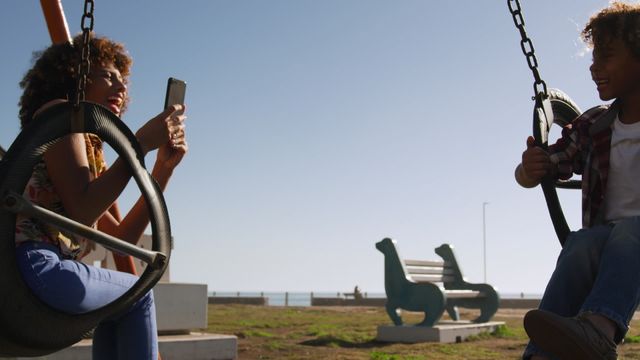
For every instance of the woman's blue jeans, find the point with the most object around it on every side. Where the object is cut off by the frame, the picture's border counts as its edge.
(598, 271)
(74, 287)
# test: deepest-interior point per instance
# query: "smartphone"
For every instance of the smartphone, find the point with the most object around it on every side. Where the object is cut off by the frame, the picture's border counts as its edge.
(176, 89)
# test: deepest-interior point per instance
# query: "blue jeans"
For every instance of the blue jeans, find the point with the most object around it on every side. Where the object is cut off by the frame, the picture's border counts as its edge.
(74, 287)
(598, 271)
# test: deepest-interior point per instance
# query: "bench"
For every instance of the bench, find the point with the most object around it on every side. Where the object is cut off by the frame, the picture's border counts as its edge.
(432, 287)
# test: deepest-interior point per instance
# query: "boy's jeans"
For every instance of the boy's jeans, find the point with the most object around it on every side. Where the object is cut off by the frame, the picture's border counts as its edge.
(598, 271)
(74, 287)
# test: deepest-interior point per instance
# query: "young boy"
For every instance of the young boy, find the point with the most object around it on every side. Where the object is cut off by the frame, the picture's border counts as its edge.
(595, 287)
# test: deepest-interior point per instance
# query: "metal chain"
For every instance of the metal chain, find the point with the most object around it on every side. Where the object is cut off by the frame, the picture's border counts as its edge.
(539, 86)
(85, 63)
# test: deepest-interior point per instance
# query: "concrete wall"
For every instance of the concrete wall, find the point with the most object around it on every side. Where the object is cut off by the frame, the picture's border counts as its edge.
(243, 300)
(504, 303)
(317, 301)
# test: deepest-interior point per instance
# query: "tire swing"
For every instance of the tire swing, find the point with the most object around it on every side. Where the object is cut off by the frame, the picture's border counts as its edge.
(29, 327)
(552, 106)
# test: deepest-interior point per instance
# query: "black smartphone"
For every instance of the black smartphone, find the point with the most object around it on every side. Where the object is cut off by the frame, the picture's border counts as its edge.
(176, 89)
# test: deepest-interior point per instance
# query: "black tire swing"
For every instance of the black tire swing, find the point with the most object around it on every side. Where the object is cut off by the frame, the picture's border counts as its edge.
(552, 106)
(29, 327)
(564, 110)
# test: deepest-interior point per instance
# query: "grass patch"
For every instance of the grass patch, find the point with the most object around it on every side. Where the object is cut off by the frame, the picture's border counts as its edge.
(312, 333)
(501, 331)
(377, 355)
(632, 339)
(254, 333)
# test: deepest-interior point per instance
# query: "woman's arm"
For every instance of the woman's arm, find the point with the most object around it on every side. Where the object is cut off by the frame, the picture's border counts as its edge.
(133, 225)
(86, 198)
(135, 222)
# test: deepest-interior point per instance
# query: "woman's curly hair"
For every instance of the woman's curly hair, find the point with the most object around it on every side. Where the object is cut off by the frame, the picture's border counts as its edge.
(619, 20)
(55, 71)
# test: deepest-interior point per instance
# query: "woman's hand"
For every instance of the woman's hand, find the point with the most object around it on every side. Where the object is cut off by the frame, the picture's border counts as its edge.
(159, 130)
(171, 153)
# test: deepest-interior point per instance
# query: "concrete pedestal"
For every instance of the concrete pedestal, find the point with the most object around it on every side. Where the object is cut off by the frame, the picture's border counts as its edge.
(194, 346)
(180, 307)
(443, 332)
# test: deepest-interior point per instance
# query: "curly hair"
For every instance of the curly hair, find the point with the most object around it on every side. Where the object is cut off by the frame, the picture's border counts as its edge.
(619, 20)
(55, 71)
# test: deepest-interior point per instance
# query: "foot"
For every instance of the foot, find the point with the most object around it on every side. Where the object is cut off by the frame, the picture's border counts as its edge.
(568, 338)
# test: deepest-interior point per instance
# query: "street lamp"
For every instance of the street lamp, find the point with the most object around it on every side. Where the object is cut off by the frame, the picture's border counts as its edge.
(484, 239)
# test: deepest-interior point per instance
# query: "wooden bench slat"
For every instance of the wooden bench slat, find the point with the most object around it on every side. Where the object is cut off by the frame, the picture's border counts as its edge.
(464, 294)
(431, 278)
(431, 263)
(429, 270)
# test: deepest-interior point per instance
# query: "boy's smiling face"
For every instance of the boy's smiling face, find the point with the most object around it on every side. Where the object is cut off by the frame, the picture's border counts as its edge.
(615, 70)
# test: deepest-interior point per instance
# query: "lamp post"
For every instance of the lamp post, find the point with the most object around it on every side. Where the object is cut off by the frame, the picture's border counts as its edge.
(484, 239)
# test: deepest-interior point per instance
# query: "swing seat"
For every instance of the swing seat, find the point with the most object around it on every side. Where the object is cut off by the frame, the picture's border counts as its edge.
(562, 112)
(29, 327)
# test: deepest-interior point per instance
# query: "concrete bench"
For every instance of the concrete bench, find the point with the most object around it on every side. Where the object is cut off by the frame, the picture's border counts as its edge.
(432, 287)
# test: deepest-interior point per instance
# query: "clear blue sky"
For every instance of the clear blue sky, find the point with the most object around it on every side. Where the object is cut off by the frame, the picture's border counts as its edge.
(316, 128)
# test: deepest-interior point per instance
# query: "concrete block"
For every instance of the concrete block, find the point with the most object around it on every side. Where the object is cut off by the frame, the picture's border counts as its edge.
(180, 307)
(443, 332)
(194, 346)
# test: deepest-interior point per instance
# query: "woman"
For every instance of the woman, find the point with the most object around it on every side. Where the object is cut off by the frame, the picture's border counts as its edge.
(73, 180)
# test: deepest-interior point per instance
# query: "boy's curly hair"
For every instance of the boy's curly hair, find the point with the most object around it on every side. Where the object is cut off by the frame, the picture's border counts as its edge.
(54, 73)
(619, 20)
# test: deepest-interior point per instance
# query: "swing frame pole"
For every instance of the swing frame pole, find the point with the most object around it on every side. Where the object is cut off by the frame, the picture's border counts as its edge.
(56, 21)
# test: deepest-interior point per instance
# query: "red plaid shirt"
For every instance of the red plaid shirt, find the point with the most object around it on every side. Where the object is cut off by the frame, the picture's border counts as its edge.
(584, 149)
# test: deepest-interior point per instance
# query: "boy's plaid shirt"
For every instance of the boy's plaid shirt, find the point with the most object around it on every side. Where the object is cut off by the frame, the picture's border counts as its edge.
(584, 149)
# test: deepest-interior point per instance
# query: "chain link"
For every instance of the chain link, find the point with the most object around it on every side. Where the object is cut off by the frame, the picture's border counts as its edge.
(85, 63)
(539, 86)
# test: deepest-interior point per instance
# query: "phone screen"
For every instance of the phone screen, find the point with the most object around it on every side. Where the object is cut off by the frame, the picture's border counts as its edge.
(176, 89)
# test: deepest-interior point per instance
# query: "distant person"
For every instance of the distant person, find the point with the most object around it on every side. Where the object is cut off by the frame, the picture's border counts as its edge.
(356, 293)
(73, 180)
(594, 290)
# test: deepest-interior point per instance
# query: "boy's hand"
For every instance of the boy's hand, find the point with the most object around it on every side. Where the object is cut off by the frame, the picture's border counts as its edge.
(535, 162)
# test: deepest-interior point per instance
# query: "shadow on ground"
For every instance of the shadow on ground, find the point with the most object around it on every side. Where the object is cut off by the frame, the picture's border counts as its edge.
(335, 341)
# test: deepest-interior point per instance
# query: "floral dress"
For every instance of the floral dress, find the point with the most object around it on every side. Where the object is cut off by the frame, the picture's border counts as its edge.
(40, 191)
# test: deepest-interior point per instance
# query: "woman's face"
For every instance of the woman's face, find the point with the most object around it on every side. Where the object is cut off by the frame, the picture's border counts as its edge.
(106, 87)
